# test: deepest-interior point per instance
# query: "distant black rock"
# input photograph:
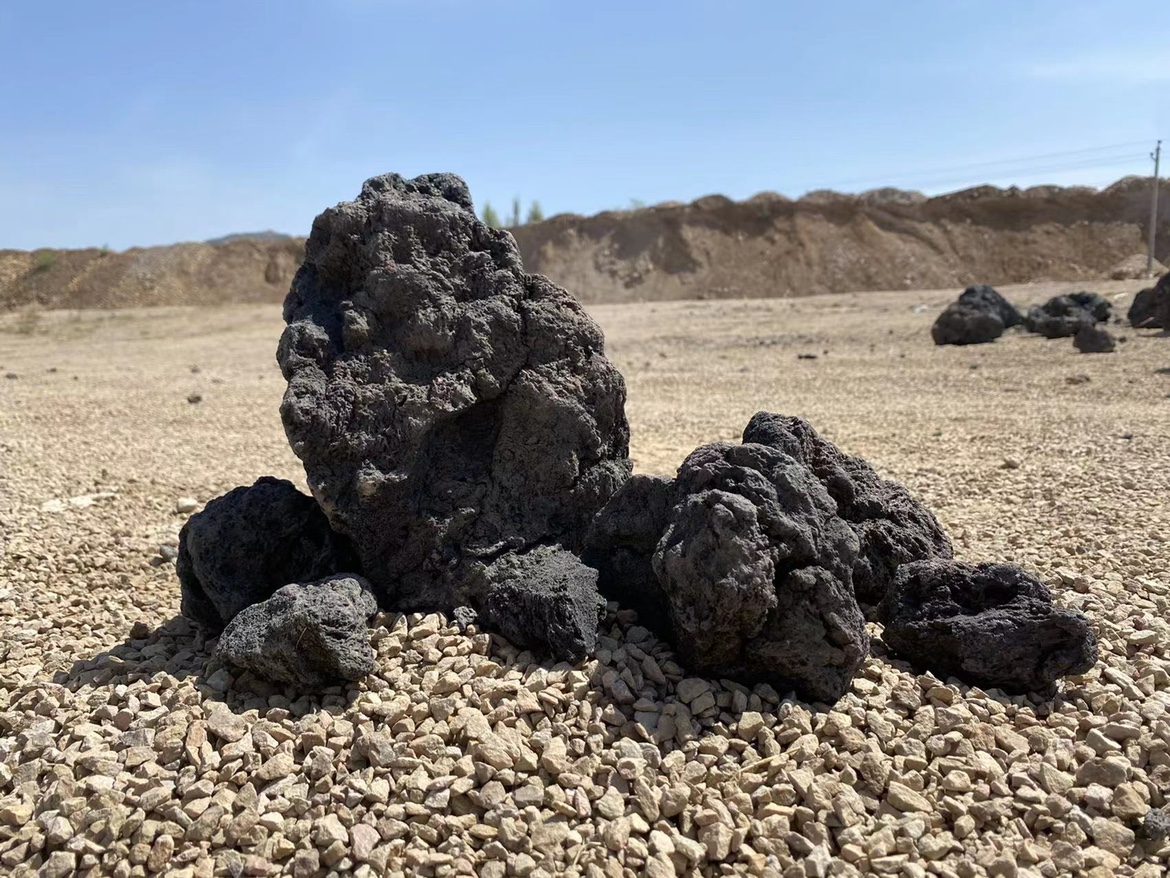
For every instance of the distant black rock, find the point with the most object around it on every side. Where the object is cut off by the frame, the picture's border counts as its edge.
(985, 298)
(962, 325)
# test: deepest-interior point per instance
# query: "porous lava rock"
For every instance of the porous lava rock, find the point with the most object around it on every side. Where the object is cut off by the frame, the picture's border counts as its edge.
(753, 568)
(993, 625)
(1143, 311)
(1096, 304)
(310, 635)
(1094, 340)
(982, 297)
(962, 325)
(892, 527)
(245, 545)
(1151, 307)
(1062, 316)
(544, 598)
(621, 544)
(448, 408)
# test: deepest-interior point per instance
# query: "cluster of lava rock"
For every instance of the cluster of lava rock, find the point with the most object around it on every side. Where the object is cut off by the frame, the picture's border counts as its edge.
(981, 315)
(465, 441)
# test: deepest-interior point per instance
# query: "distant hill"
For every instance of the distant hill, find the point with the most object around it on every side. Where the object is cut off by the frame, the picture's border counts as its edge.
(765, 246)
(249, 236)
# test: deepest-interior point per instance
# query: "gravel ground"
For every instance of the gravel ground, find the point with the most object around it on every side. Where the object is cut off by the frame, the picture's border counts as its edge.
(125, 751)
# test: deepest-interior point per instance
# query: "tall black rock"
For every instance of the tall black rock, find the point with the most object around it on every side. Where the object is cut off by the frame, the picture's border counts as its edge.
(448, 408)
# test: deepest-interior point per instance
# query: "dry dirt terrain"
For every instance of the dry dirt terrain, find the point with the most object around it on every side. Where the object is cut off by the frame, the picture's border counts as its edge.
(124, 751)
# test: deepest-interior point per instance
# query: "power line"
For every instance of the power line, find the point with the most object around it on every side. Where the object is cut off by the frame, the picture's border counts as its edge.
(1129, 161)
(1026, 163)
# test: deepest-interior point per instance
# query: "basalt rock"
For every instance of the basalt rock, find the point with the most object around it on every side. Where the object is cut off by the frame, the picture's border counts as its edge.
(449, 409)
(753, 570)
(1094, 340)
(621, 544)
(1063, 316)
(1151, 307)
(992, 625)
(1143, 311)
(892, 527)
(310, 635)
(248, 543)
(545, 598)
(962, 325)
(982, 297)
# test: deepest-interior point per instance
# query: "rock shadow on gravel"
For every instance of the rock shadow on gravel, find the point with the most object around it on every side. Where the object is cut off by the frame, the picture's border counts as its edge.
(181, 650)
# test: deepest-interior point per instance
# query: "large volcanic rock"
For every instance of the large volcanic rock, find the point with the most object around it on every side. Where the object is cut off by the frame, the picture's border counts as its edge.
(1151, 307)
(982, 297)
(245, 545)
(1143, 311)
(962, 324)
(1062, 316)
(893, 528)
(993, 625)
(448, 408)
(311, 635)
(753, 569)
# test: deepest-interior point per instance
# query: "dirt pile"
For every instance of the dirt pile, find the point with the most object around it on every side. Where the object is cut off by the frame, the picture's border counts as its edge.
(182, 274)
(767, 246)
(770, 246)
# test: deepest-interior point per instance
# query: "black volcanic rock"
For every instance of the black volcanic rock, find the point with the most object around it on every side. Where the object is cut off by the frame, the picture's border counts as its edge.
(982, 297)
(621, 544)
(1094, 340)
(963, 325)
(892, 527)
(310, 635)
(992, 625)
(245, 545)
(546, 598)
(1143, 311)
(448, 408)
(1151, 307)
(752, 571)
(1062, 316)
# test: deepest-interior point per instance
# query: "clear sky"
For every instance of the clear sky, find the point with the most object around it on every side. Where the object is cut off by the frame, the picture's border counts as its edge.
(134, 123)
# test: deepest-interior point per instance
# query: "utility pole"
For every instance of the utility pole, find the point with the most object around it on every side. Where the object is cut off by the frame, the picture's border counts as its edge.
(1156, 155)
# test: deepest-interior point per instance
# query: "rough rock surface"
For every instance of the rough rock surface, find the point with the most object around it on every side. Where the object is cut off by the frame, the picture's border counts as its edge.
(1059, 317)
(962, 325)
(1151, 307)
(753, 569)
(756, 569)
(983, 297)
(1143, 311)
(892, 527)
(1096, 304)
(545, 597)
(248, 543)
(621, 543)
(1062, 316)
(311, 635)
(1094, 340)
(448, 408)
(989, 624)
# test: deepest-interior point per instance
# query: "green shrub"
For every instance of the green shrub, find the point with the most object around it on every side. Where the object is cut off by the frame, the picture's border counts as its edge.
(44, 260)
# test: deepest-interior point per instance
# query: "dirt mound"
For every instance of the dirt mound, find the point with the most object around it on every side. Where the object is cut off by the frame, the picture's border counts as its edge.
(831, 242)
(182, 274)
(767, 246)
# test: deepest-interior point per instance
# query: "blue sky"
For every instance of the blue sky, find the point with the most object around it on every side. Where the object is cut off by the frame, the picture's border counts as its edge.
(138, 123)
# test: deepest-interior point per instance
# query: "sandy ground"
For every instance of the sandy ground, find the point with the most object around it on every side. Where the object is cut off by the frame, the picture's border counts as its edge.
(1026, 450)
